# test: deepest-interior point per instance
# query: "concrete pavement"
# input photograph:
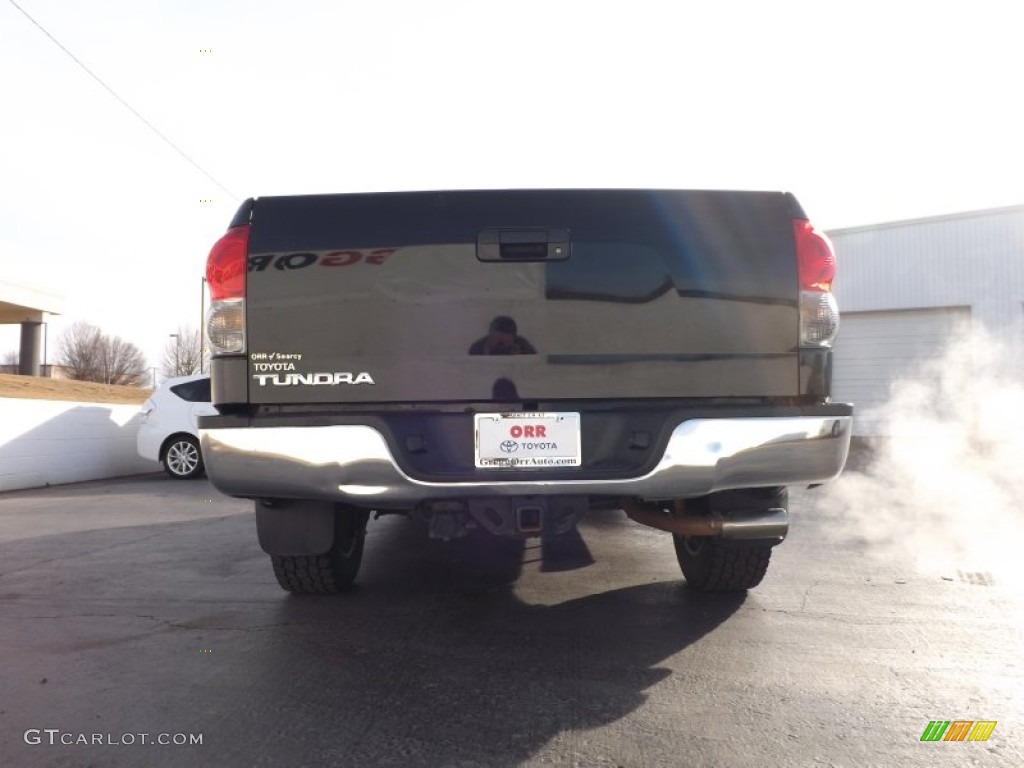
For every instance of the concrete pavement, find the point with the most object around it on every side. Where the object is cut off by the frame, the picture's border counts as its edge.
(145, 606)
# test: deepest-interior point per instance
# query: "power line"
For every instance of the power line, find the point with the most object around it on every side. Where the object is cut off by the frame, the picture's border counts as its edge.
(127, 106)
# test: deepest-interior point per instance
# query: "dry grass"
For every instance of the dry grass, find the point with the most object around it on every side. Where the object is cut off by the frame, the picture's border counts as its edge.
(37, 388)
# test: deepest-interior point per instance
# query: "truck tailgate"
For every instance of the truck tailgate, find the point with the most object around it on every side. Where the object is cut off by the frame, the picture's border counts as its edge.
(521, 295)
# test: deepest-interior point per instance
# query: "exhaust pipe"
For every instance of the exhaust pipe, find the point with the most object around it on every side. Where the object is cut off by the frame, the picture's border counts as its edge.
(770, 523)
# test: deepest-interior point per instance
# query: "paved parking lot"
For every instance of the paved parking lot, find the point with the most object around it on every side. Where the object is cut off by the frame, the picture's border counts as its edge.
(145, 606)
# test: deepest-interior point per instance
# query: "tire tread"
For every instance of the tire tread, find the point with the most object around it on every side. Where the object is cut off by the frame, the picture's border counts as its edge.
(306, 574)
(721, 567)
(331, 572)
(735, 570)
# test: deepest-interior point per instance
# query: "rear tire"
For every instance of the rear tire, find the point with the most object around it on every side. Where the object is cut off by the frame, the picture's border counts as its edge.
(711, 565)
(183, 459)
(335, 570)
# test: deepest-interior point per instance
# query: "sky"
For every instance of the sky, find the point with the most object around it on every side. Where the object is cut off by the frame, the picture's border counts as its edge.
(867, 111)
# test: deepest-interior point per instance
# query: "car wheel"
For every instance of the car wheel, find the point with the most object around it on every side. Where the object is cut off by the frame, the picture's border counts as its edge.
(712, 565)
(182, 458)
(333, 571)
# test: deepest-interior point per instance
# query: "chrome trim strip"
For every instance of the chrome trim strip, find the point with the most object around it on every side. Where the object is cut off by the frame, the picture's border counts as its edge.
(353, 463)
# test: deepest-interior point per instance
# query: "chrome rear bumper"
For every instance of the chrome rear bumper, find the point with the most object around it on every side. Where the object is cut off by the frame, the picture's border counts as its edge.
(353, 463)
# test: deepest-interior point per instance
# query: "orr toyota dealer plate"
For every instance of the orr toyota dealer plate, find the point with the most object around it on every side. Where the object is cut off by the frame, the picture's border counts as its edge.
(507, 440)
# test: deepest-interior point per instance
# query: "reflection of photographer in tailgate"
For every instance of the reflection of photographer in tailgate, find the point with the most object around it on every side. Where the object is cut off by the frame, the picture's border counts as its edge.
(502, 339)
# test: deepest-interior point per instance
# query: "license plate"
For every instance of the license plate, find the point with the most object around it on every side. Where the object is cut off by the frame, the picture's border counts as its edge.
(517, 440)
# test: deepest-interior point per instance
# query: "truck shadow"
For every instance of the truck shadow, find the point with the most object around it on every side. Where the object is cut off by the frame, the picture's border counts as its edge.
(435, 660)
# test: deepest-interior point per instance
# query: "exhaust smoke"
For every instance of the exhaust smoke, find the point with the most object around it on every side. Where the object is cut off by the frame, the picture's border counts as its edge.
(944, 491)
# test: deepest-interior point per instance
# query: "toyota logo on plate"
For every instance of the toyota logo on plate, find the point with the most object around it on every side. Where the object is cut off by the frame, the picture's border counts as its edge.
(510, 446)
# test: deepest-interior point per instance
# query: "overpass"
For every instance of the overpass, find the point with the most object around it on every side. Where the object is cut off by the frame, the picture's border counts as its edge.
(28, 307)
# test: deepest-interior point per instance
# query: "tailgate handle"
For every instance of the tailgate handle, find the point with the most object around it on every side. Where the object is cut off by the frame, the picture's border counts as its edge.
(523, 244)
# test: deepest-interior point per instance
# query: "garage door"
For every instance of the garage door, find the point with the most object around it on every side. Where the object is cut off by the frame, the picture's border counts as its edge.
(875, 349)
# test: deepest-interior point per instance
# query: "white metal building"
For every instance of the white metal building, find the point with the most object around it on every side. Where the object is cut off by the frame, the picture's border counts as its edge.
(905, 287)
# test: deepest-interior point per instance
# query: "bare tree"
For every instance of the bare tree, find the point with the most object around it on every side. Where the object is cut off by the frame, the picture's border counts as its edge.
(90, 355)
(121, 362)
(183, 353)
(9, 359)
(79, 351)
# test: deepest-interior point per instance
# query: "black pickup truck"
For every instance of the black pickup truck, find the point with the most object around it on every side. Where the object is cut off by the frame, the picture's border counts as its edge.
(506, 360)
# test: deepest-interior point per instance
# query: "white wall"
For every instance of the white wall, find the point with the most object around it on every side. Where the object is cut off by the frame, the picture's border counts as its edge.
(48, 442)
(973, 259)
(880, 348)
(902, 285)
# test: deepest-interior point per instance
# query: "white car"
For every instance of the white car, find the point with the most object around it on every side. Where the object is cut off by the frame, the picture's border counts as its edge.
(167, 429)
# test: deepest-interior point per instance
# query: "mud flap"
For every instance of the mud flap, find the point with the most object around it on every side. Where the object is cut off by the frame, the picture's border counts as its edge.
(295, 526)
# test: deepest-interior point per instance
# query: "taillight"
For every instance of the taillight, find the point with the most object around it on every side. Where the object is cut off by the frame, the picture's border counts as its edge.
(816, 268)
(225, 275)
(815, 257)
(225, 267)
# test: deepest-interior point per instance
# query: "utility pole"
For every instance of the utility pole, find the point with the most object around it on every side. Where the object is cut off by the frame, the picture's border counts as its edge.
(177, 353)
(202, 318)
